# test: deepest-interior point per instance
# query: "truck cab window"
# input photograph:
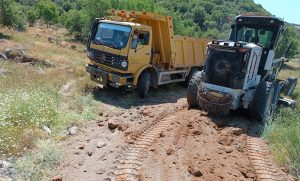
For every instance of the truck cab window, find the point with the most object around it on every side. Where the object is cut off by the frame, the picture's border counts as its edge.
(143, 38)
(112, 35)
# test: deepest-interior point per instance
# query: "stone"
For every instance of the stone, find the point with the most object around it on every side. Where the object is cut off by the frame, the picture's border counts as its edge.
(228, 149)
(197, 173)
(57, 178)
(101, 114)
(237, 131)
(100, 144)
(63, 44)
(48, 63)
(48, 130)
(81, 147)
(197, 132)
(72, 130)
(90, 153)
(73, 46)
(5, 164)
(4, 72)
(112, 125)
(51, 39)
(170, 151)
(3, 56)
(123, 127)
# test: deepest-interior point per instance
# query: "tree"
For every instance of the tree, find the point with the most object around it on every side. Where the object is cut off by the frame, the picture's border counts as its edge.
(31, 17)
(11, 15)
(77, 22)
(290, 36)
(199, 17)
(96, 8)
(48, 11)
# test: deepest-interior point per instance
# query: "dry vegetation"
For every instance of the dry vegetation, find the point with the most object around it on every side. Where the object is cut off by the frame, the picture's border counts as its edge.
(33, 97)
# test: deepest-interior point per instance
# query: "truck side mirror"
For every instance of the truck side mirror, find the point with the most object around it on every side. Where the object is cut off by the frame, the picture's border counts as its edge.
(134, 42)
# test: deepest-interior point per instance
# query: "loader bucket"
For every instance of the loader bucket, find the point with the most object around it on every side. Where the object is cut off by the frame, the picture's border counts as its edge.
(215, 103)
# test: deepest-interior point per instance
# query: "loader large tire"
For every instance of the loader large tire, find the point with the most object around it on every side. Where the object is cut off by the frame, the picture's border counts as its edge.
(144, 84)
(261, 105)
(192, 94)
(188, 78)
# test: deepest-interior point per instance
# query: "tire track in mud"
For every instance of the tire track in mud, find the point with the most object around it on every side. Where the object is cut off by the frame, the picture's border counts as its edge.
(129, 167)
(265, 168)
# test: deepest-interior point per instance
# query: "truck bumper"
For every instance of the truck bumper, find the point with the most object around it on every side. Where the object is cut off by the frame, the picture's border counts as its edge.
(107, 78)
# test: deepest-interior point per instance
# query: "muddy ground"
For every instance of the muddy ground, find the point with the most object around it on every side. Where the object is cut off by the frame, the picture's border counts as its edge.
(160, 138)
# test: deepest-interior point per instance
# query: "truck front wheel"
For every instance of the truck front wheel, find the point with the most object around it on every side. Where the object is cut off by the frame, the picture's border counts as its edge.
(144, 84)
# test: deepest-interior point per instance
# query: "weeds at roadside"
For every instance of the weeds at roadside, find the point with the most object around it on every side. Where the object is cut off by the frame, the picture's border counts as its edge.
(283, 134)
(37, 164)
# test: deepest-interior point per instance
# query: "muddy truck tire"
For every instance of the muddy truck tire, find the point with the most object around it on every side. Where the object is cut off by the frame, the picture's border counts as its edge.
(261, 106)
(192, 94)
(289, 86)
(144, 84)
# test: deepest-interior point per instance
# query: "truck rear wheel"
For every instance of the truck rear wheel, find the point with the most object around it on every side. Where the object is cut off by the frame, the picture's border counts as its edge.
(192, 95)
(261, 106)
(144, 84)
(289, 86)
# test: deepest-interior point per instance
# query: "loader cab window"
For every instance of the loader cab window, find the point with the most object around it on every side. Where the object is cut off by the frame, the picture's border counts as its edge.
(262, 36)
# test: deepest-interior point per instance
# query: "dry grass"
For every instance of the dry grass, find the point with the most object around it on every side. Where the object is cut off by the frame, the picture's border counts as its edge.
(34, 96)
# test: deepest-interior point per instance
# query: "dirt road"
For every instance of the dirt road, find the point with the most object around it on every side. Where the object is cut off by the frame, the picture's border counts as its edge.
(161, 139)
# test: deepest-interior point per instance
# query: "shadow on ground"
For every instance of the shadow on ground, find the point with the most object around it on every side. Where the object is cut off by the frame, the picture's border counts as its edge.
(116, 97)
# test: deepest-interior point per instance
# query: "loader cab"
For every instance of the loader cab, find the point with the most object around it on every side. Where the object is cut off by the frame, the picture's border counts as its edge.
(263, 31)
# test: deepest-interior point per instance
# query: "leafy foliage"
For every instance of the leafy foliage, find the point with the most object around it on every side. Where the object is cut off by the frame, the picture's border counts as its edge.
(11, 15)
(47, 11)
(290, 37)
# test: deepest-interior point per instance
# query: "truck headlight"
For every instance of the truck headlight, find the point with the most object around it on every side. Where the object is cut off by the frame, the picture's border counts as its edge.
(124, 64)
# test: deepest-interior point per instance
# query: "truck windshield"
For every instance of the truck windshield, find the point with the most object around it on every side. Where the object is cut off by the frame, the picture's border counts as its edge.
(257, 35)
(112, 35)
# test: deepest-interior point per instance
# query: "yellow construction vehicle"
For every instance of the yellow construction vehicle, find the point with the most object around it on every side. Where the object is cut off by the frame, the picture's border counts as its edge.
(139, 49)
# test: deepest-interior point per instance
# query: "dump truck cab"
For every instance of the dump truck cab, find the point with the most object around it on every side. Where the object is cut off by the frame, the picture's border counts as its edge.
(112, 44)
(139, 49)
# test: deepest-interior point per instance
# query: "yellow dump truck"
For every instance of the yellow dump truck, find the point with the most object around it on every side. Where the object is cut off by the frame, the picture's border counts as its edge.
(139, 49)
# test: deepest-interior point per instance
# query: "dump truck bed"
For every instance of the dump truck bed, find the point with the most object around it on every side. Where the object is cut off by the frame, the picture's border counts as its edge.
(173, 51)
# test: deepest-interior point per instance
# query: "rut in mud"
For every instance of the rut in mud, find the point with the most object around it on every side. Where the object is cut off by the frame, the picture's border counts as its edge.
(167, 141)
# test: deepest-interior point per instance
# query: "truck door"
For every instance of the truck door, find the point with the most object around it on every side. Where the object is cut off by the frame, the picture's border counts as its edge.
(140, 49)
